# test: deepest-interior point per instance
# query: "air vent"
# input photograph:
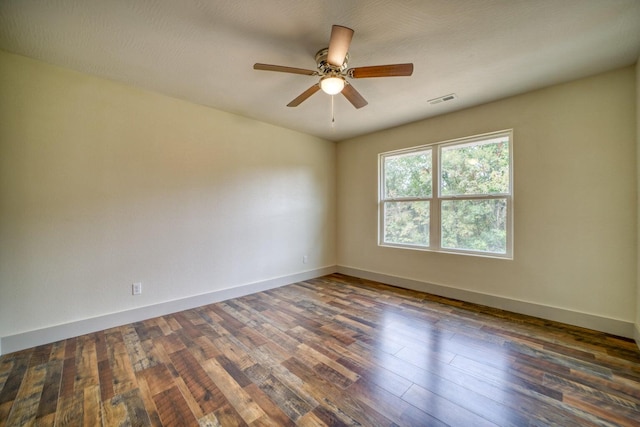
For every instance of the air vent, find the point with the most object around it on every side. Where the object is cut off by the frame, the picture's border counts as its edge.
(444, 98)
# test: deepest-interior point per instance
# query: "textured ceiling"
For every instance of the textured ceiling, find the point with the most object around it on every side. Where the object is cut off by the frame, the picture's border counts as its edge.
(203, 50)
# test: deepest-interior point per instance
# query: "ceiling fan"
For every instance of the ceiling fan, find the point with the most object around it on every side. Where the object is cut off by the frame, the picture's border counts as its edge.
(332, 69)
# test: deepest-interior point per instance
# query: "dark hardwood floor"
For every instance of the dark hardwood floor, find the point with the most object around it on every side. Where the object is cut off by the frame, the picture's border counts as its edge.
(331, 351)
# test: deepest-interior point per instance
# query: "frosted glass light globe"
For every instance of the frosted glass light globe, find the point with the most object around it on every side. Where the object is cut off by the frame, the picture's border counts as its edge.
(332, 85)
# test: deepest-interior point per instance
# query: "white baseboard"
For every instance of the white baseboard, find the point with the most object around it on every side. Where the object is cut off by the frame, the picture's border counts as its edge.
(51, 334)
(590, 321)
(47, 335)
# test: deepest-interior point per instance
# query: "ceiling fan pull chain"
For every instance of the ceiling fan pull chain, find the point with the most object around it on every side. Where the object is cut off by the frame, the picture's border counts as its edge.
(333, 115)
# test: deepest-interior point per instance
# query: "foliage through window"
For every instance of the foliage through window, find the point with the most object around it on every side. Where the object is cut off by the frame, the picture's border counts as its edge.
(454, 196)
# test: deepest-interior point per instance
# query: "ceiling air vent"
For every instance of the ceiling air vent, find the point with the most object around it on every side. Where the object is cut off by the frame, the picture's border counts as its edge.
(444, 98)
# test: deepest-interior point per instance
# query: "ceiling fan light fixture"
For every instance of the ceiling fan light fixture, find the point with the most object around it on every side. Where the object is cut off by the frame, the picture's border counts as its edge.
(332, 85)
(332, 65)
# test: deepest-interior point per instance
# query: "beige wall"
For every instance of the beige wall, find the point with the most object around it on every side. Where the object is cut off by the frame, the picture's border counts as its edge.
(574, 192)
(102, 185)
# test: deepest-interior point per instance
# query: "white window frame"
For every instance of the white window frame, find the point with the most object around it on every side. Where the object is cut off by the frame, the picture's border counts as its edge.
(436, 199)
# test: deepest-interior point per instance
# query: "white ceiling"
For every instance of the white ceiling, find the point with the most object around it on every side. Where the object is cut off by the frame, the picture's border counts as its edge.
(204, 50)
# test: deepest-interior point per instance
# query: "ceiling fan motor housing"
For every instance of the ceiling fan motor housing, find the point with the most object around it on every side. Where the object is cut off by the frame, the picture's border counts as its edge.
(324, 68)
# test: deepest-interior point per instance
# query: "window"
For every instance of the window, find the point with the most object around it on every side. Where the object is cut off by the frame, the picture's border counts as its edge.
(453, 196)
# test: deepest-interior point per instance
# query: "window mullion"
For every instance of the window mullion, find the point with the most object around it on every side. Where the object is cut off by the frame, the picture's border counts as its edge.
(477, 197)
(434, 209)
(407, 199)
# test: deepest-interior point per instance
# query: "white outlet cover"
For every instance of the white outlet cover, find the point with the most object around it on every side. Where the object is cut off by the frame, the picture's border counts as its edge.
(136, 288)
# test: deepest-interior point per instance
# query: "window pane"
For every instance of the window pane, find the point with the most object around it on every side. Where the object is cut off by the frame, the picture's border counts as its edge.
(407, 223)
(475, 168)
(476, 225)
(407, 175)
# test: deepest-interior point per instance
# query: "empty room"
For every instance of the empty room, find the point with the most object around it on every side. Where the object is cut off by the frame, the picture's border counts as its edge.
(319, 213)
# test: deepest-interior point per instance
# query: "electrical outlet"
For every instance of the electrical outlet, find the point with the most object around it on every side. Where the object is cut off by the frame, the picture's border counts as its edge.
(136, 288)
(304, 259)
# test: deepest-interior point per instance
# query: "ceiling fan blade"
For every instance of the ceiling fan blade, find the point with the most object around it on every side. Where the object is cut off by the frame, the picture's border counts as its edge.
(353, 96)
(304, 95)
(381, 71)
(282, 69)
(339, 44)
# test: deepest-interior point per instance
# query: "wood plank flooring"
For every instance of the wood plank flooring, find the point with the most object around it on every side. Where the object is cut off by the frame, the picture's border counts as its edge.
(332, 351)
